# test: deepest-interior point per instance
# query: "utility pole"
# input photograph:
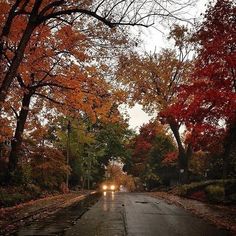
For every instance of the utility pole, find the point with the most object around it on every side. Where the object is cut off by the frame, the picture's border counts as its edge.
(89, 168)
(68, 151)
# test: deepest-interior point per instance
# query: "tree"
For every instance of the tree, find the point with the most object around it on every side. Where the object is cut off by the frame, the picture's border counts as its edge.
(31, 56)
(150, 148)
(67, 66)
(92, 146)
(207, 105)
(119, 177)
(19, 20)
(143, 143)
(48, 167)
(153, 81)
(114, 136)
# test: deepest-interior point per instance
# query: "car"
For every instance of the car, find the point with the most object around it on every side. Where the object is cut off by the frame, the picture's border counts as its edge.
(109, 186)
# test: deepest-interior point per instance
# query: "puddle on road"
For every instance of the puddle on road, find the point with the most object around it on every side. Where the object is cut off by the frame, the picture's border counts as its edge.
(57, 224)
(142, 202)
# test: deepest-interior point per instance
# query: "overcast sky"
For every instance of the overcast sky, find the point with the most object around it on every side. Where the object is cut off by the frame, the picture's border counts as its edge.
(154, 40)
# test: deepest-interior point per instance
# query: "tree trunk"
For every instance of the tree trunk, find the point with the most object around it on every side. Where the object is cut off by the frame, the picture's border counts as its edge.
(184, 155)
(228, 146)
(7, 26)
(6, 83)
(12, 71)
(17, 139)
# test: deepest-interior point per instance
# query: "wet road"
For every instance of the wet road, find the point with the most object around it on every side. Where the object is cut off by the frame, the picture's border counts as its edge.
(130, 214)
(136, 214)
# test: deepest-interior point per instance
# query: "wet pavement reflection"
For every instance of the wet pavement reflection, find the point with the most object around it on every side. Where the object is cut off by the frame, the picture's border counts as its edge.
(132, 214)
(136, 214)
(106, 217)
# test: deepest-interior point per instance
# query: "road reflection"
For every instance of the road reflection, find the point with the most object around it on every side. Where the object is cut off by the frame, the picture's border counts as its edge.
(108, 200)
(109, 195)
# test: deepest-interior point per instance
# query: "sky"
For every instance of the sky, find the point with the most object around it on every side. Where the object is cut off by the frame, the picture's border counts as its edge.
(153, 41)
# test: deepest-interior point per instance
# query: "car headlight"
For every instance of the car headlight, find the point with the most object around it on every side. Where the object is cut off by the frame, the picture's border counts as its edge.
(112, 187)
(104, 187)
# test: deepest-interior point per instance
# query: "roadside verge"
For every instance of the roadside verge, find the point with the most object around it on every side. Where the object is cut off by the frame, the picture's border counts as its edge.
(220, 215)
(12, 218)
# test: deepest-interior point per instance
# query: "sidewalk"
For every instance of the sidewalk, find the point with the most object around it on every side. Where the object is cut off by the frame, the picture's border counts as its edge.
(220, 215)
(13, 217)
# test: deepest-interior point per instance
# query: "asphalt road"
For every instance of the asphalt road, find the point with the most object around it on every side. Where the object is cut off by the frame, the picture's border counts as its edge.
(136, 214)
(129, 214)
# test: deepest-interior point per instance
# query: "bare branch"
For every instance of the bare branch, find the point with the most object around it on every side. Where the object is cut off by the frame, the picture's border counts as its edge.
(99, 5)
(73, 11)
(115, 5)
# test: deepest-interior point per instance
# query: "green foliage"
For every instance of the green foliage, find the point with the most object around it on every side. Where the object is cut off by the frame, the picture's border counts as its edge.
(22, 175)
(181, 190)
(162, 145)
(215, 193)
(10, 199)
(150, 175)
(91, 146)
(114, 138)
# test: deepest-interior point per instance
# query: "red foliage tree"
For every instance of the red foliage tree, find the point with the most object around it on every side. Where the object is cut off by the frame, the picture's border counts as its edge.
(170, 159)
(143, 142)
(208, 104)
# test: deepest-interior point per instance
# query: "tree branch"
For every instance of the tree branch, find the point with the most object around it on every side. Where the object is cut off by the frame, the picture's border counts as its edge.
(15, 112)
(75, 10)
(48, 98)
(20, 81)
(53, 85)
(50, 6)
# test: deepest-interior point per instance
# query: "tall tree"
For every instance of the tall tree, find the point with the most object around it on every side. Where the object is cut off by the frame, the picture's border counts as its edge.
(208, 104)
(19, 20)
(62, 72)
(153, 81)
(55, 80)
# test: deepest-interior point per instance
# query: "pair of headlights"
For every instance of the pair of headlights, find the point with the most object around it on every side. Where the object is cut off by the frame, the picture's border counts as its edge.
(106, 187)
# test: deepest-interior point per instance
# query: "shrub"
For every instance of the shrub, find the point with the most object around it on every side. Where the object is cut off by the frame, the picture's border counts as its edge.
(198, 195)
(181, 190)
(215, 193)
(10, 199)
(48, 168)
(22, 175)
(34, 190)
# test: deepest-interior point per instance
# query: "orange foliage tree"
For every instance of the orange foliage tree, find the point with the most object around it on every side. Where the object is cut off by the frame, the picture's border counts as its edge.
(57, 79)
(21, 18)
(44, 50)
(153, 81)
